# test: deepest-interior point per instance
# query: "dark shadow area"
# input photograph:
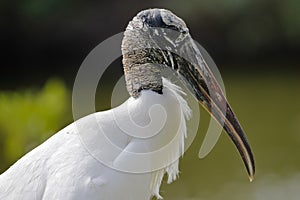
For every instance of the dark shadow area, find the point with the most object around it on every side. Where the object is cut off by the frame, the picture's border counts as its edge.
(41, 39)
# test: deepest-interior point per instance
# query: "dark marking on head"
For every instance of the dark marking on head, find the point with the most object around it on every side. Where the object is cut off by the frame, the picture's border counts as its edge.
(153, 18)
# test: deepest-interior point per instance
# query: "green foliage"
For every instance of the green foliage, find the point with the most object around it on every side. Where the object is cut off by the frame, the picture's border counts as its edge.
(29, 117)
(41, 8)
(290, 18)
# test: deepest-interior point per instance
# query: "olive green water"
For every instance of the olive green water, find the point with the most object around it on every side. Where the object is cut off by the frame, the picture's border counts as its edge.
(268, 107)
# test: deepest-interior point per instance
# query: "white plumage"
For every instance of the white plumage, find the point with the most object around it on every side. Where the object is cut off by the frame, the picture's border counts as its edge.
(64, 167)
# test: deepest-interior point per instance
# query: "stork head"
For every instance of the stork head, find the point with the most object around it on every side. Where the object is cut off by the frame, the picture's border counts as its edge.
(155, 39)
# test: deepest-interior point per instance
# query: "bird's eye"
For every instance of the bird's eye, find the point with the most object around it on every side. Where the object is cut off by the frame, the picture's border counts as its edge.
(174, 24)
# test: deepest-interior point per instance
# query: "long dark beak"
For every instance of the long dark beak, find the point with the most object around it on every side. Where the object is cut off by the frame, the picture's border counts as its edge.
(196, 74)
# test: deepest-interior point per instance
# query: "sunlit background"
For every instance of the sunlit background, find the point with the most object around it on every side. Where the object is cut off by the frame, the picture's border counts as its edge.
(255, 44)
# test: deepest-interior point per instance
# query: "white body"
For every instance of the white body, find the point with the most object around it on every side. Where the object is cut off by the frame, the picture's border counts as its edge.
(76, 163)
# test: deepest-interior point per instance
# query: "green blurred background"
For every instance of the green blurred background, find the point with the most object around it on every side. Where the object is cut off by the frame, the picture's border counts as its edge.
(255, 44)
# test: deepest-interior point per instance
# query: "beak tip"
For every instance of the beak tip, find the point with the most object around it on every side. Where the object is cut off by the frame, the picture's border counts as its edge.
(251, 178)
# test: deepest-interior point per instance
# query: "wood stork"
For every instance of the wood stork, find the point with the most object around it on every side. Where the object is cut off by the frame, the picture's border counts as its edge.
(65, 167)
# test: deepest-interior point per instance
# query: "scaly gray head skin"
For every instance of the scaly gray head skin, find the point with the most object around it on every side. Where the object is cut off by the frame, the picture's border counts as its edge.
(156, 38)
